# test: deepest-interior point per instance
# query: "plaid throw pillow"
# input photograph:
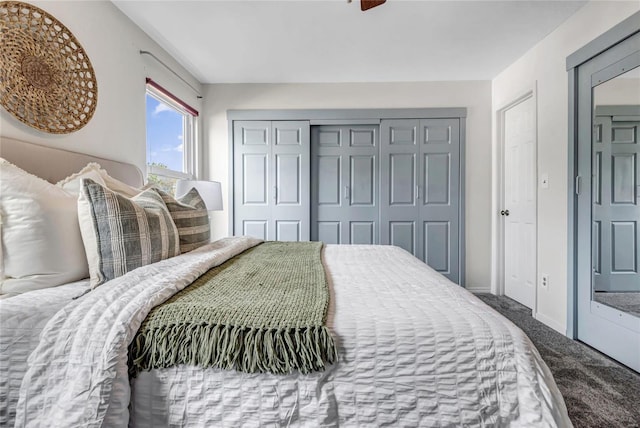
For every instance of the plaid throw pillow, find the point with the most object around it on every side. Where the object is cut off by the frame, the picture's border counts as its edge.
(124, 233)
(191, 217)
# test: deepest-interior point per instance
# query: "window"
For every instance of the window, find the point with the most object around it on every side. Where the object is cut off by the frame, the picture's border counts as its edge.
(171, 138)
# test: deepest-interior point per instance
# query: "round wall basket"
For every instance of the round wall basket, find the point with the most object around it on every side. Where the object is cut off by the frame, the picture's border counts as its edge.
(47, 80)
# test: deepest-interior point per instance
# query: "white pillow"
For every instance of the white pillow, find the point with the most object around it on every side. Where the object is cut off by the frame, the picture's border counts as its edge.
(42, 245)
(120, 187)
(73, 182)
(95, 172)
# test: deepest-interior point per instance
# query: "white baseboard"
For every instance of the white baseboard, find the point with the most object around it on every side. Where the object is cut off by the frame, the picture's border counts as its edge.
(476, 289)
(550, 323)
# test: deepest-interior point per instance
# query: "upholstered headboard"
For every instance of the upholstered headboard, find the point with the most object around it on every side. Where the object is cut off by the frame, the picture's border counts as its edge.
(56, 164)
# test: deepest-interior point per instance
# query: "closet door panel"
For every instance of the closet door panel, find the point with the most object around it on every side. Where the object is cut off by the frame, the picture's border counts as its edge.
(437, 244)
(345, 184)
(288, 134)
(271, 179)
(288, 230)
(401, 179)
(327, 188)
(363, 136)
(252, 133)
(361, 184)
(399, 210)
(328, 232)
(329, 169)
(403, 234)
(254, 178)
(436, 182)
(439, 184)
(291, 181)
(252, 193)
(616, 204)
(362, 180)
(420, 190)
(362, 232)
(255, 228)
(288, 179)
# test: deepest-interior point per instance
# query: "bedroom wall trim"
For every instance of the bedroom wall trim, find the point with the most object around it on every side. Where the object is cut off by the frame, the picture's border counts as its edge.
(612, 37)
(497, 241)
(615, 35)
(322, 116)
(550, 322)
(463, 247)
(572, 223)
(477, 290)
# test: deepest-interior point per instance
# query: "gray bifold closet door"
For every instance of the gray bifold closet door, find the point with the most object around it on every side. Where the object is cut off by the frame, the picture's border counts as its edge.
(271, 179)
(616, 203)
(344, 188)
(395, 183)
(420, 190)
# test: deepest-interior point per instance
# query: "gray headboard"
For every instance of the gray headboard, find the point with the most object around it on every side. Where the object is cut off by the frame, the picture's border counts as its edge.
(56, 164)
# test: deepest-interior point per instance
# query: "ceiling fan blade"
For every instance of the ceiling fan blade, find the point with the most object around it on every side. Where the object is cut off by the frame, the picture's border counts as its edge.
(368, 4)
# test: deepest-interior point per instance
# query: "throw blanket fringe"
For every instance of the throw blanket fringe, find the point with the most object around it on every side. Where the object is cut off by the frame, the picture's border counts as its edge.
(250, 350)
(262, 311)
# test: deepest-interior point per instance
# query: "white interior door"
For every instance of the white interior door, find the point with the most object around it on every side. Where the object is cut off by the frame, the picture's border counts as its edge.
(519, 206)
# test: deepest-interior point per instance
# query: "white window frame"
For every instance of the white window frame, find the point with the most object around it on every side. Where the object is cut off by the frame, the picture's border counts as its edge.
(189, 139)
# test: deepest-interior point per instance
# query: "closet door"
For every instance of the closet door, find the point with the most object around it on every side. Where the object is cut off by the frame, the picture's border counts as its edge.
(252, 191)
(271, 179)
(420, 190)
(607, 247)
(289, 178)
(438, 198)
(345, 185)
(616, 204)
(399, 210)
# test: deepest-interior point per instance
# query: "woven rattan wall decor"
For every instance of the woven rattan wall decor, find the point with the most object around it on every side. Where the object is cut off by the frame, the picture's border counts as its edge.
(47, 80)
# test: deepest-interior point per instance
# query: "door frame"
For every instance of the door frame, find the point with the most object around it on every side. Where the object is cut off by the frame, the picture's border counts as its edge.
(602, 43)
(498, 244)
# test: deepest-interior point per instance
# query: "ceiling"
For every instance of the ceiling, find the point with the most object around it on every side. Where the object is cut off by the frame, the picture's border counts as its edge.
(262, 41)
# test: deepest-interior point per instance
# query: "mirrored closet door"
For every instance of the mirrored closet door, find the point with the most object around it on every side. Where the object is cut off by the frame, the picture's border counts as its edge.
(608, 210)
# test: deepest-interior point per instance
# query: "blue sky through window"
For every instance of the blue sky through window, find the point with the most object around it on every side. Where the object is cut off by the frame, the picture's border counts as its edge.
(164, 135)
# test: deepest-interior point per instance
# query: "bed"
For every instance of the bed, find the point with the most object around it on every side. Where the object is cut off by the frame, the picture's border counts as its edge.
(414, 349)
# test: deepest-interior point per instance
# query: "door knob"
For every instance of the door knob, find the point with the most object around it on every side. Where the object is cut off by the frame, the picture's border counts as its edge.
(504, 212)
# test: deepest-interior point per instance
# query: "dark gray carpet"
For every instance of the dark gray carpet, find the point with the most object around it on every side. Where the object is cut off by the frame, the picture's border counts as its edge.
(598, 391)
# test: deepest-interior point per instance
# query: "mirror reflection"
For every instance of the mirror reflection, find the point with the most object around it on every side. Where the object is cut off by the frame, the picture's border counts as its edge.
(616, 193)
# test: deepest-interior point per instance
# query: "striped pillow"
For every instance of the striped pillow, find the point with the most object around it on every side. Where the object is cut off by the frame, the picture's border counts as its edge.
(124, 233)
(191, 217)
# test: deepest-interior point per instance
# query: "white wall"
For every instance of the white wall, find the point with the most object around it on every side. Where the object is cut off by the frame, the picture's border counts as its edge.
(112, 42)
(544, 66)
(476, 96)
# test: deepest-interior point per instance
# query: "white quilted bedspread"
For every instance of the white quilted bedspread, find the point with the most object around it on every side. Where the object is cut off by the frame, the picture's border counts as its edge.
(415, 350)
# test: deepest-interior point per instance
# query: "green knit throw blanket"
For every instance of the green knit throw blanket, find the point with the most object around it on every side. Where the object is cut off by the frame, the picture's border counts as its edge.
(262, 311)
